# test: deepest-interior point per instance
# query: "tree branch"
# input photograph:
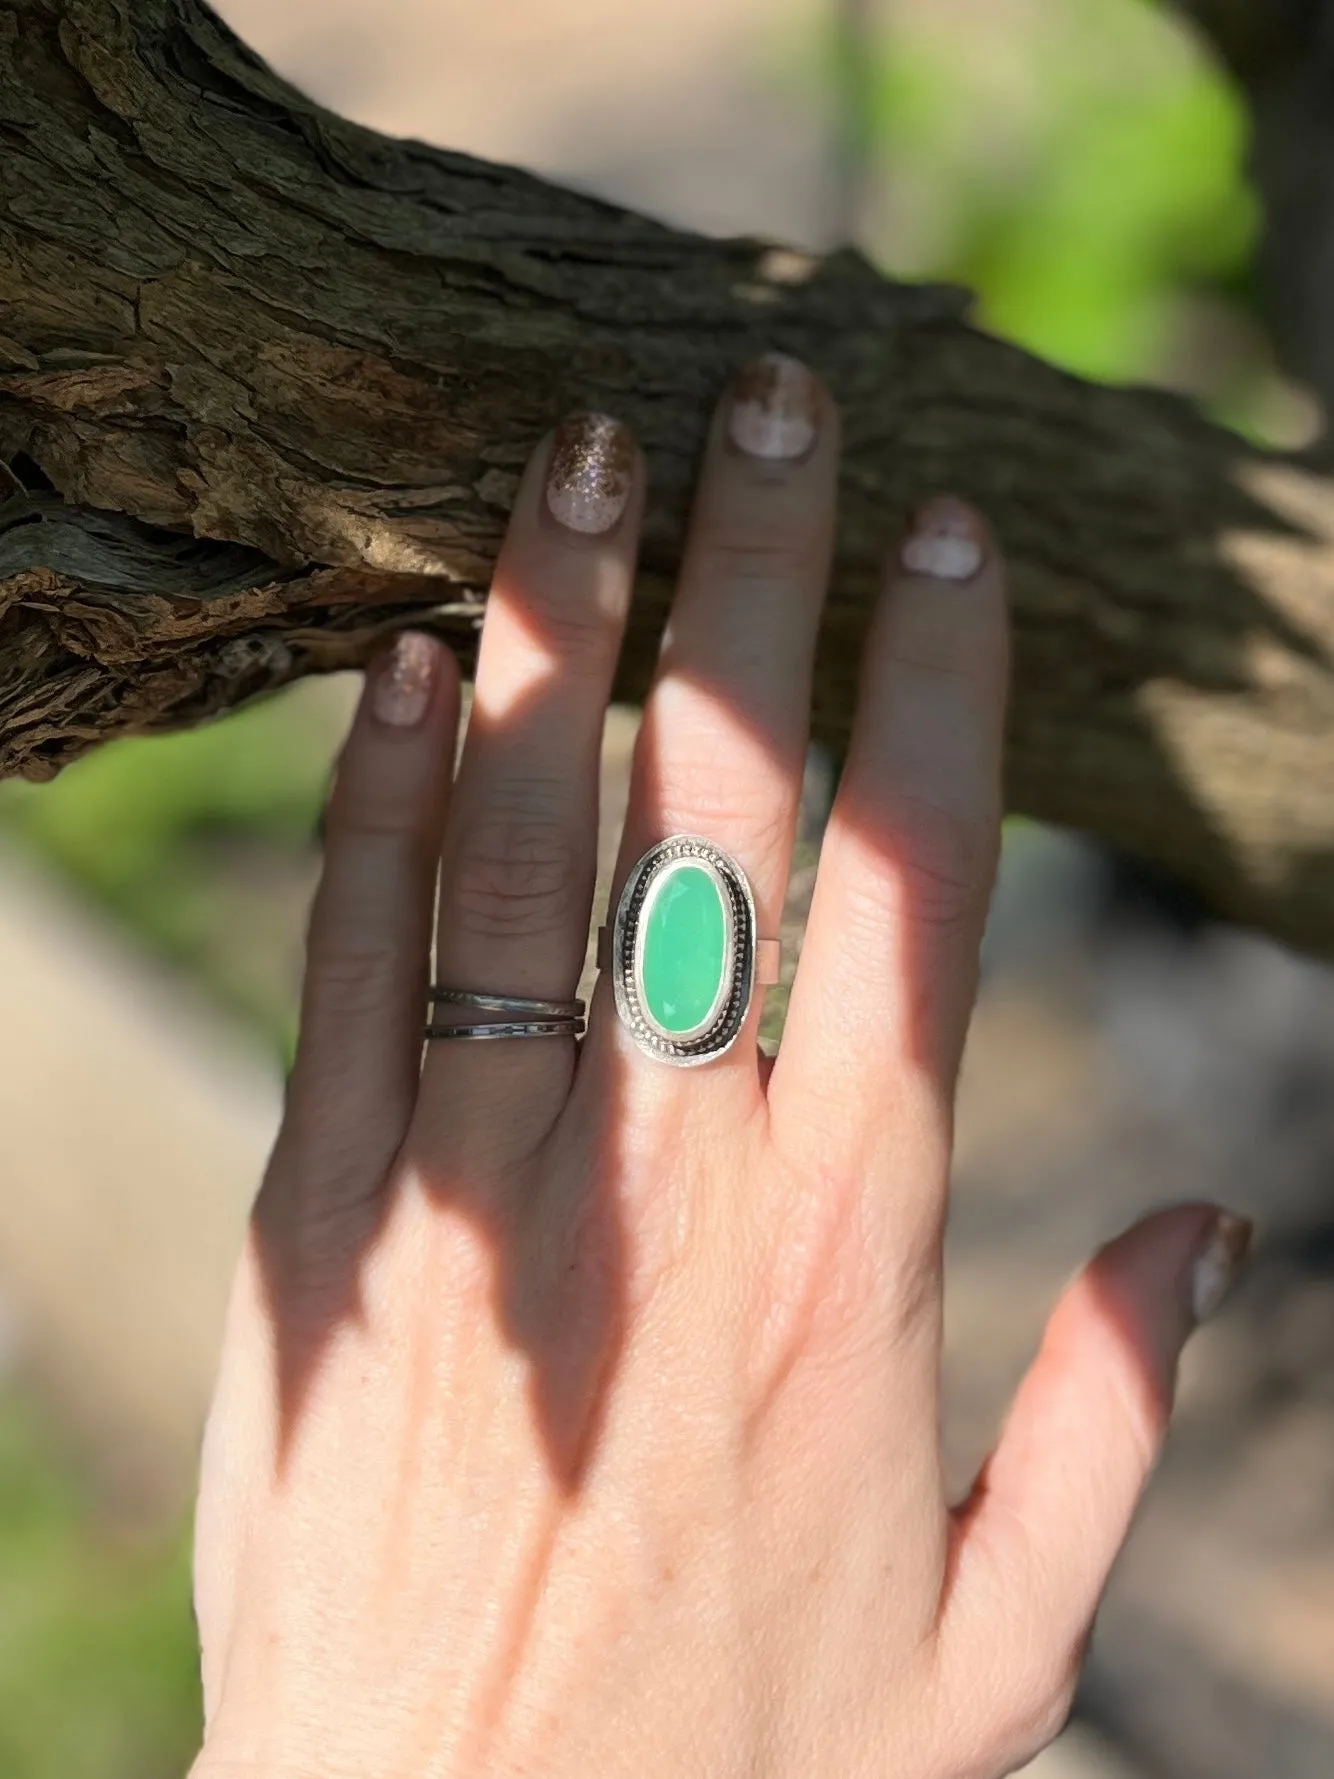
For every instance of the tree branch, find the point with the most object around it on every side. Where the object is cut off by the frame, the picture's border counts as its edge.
(1254, 37)
(267, 381)
(1282, 54)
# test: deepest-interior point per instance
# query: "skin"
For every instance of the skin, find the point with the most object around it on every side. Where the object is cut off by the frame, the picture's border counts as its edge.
(578, 1414)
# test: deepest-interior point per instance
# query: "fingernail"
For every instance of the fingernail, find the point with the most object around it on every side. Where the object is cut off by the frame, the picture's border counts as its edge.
(947, 542)
(1219, 1262)
(404, 680)
(591, 473)
(773, 408)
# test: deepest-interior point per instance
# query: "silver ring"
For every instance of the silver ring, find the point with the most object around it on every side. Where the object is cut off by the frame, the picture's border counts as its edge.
(683, 952)
(525, 1028)
(462, 997)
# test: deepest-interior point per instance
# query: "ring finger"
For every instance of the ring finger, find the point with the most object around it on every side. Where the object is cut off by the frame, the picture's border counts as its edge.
(520, 847)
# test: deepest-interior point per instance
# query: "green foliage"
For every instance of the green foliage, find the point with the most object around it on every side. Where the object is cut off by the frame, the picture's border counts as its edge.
(98, 1664)
(1079, 165)
(109, 816)
(167, 833)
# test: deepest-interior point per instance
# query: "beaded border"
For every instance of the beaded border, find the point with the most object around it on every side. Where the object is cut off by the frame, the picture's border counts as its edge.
(739, 911)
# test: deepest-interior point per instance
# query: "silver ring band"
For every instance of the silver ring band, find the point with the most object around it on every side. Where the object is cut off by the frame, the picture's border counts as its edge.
(462, 997)
(525, 1028)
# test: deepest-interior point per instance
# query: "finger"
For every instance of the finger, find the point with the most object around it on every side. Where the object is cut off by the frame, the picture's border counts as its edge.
(723, 741)
(520, 849)
(1036, 1541)
(888, 969)
(354, 1078)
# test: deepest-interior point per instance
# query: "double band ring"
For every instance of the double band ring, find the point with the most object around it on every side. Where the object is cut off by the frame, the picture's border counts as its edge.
(529, 1019)
(461, 997)
(518, 1028)
(683, 954)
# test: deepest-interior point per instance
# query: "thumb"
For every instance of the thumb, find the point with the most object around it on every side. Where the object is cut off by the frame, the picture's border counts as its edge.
(1038, 1536)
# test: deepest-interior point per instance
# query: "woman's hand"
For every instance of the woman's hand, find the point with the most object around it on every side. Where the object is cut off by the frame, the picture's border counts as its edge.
(578, 1413)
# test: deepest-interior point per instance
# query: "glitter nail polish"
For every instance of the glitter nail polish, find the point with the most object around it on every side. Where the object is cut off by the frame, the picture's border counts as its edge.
(404, 680)
(591, 473)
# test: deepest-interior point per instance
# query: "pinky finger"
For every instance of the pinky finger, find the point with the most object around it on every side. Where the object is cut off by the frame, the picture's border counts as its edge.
(1036, 1541)
(354, 1079)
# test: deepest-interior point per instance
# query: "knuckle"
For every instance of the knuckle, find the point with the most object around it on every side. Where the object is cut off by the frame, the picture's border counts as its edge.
(306, 1221)
(940, 646)
(370, 800)
(768, 557)
(865, 914)
(368, 819)
(581, 627)
(347, 981)
(362, 916)
(331, 1161)
(1036, 1722)
(945, 861)
(516, 876)
(1142, 1411)
(1013, 1673)
(821, 1286)
(1035, 1712)
(756, 819)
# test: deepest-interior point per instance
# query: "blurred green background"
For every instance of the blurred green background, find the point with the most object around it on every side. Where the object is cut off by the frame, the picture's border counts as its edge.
(1079, 165)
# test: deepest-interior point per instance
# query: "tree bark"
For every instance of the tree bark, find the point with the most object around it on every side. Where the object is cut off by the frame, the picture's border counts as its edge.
(267, 380)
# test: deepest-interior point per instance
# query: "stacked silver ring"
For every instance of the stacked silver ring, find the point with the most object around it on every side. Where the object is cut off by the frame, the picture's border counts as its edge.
(530, 1018)
(682, 1028)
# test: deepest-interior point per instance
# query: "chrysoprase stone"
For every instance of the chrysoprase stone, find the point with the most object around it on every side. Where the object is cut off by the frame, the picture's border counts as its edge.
(683, 948)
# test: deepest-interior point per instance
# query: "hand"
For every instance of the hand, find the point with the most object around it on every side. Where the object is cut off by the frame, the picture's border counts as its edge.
(578, 1413)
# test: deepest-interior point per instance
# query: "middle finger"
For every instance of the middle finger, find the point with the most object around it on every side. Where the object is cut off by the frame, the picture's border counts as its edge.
(723, 742)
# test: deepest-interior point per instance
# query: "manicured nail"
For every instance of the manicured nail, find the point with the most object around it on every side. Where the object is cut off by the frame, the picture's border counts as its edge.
(774, 408)
(404, 680)
(1219, 1262)
(591, 473)
(946, 542)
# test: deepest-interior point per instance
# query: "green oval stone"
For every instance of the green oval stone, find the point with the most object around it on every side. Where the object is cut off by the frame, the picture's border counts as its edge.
(683, 948)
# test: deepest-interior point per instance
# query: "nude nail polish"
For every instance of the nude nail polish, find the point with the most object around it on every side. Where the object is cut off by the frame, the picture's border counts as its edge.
(774, 409)
(591, 473)
(404, 681)
(946, 543)
(1218, 1263)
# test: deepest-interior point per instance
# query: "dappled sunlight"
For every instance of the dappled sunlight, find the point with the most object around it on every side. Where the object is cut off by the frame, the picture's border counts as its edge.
(531, 666)
(1083, 173)
(1290, 563)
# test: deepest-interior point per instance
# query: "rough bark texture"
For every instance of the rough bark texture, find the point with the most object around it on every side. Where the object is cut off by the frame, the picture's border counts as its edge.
(267, 379)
